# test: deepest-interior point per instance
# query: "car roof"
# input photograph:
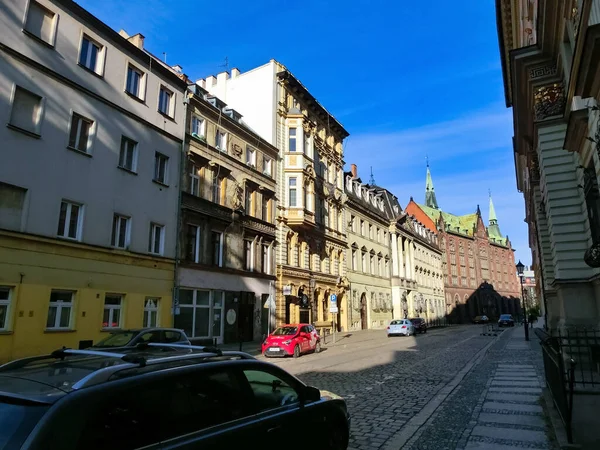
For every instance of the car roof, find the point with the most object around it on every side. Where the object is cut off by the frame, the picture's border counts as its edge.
(142, 330)
(47, 378)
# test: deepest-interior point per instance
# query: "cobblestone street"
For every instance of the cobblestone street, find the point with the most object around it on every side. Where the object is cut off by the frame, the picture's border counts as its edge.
(423, 392)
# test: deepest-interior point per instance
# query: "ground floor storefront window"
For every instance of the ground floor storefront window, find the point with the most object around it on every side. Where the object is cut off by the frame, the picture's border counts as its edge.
(201, 313)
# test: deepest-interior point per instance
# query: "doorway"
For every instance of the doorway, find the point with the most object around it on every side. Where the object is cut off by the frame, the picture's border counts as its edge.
(363, 312)
(246, 316)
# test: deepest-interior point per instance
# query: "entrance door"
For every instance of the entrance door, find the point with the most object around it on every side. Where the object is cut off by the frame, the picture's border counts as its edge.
(246, 316)
(363, 312)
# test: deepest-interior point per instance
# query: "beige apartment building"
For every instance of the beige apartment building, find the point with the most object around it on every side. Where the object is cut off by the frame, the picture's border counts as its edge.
(227, 251)
(551, 71)
(368, 259)
(310, 230)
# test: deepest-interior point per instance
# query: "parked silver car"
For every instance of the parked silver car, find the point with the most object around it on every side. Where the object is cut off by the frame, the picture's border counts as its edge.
(400, 327)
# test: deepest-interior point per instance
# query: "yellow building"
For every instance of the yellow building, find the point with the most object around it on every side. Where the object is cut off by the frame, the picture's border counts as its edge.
(54, 294)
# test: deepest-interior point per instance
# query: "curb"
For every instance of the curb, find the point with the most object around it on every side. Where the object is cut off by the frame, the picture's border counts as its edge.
(412, 427)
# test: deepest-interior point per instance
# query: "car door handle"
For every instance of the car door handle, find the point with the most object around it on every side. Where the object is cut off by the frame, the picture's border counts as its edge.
(270, 430)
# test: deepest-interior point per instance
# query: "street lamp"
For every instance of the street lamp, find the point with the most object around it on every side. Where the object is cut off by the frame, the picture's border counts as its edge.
(520, 270)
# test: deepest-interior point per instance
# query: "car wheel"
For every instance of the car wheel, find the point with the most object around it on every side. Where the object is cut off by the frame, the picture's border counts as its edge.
(296, 351)
(338, 438)
(318, 347)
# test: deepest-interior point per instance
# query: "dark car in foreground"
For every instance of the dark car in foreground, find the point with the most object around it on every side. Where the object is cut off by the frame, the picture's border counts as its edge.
(194, 398)
(506, 320)
(481, 319)
(132, 338)
(419, 324)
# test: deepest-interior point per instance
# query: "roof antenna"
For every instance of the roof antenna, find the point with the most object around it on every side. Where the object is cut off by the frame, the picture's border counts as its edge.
(165, 57)
(372, 179)
(226, 65)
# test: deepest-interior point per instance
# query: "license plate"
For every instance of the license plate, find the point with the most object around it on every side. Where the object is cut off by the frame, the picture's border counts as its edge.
(275, 349)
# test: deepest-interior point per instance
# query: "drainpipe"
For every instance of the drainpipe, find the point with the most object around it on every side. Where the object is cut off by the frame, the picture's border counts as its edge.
(182, 158)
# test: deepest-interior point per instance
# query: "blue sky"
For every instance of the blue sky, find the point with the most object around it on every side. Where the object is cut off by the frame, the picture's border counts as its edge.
(406, 79)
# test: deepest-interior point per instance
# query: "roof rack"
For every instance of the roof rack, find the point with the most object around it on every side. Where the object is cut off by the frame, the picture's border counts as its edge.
(207, 349)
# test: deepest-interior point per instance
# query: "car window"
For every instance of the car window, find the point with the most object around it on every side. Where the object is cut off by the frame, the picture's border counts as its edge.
(304, 329)
(16, 422)
(395, 322)
(116, 340)
(165, 409)
(172, 336)
(285, 331)
(270, 391)
(150, 336)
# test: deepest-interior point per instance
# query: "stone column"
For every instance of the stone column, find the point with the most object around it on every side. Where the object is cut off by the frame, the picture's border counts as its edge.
(408, 259)
(394, 254)
(400, 257)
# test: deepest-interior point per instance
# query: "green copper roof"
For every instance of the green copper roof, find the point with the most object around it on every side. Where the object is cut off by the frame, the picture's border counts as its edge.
(430, 199)
(494, 229)
(493, 217)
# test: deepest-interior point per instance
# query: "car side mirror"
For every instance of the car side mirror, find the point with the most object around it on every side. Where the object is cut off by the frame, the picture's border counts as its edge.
(312, 394)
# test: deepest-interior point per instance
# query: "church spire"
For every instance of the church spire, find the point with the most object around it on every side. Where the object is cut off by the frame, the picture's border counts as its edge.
(430, 199)
(494, 228)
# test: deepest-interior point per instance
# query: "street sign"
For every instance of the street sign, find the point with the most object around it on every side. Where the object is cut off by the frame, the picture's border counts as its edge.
(333, 308)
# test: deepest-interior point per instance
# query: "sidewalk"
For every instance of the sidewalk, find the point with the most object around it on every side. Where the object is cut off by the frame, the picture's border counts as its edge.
(509, 414)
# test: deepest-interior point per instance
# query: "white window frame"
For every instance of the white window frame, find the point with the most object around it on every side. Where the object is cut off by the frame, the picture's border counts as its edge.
(266, 261)
(197, 237)
(6, 303)
(212, 249)
(249, 259)
(98, 67)
(150, 309)
(134, 156)
(221, 143)
(59, 306)
(64, 233)
(90, 135)
(158, 159)
(111, 309)
(166, 93)
(293, 187)
(267, 166)
(250, 156)
(198, 126)
(52, 40)
(293, 138)
(152, 238)
(115, 234)
(141, 90)
(354, 260)
(195, 180)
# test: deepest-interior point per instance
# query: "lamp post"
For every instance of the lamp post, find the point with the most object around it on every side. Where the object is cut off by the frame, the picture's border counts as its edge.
(520, 270)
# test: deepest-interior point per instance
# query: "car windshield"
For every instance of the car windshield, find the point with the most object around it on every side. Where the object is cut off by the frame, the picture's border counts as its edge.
(285, 331)
(16, 422)
(505, 317)
(119, 339)
(396, 322)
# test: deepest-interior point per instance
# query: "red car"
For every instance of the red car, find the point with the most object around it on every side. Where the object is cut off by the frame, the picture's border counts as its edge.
(292, 340)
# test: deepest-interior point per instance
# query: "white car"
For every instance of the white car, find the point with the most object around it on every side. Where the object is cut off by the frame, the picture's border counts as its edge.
(402, 327)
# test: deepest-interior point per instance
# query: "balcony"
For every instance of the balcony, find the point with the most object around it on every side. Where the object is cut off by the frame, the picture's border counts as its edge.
(300, 217)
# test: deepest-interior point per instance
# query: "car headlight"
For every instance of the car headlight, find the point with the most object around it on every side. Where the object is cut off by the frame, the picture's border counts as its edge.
(288, 342)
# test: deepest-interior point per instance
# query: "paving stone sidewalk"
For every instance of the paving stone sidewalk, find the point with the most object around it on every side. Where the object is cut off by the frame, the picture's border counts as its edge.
(497, 406)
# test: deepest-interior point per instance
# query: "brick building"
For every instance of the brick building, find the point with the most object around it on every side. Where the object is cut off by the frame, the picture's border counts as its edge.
(478, 262)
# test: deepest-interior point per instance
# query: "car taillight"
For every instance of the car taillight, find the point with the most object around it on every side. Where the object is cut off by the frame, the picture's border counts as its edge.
(403, 326)
(388, 328)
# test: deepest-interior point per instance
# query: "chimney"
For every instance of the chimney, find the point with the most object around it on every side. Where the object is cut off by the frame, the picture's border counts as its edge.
(210, 81)
(124, 34)
(137, 40)
(235, 72)
(354, 171)
(201, 83)
(221, 77)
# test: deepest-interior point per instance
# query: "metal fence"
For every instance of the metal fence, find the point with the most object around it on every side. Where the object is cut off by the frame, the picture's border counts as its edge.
(571, 362)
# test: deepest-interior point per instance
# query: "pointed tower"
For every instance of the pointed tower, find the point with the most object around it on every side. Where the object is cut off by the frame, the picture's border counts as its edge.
(430, 199)
(493, 228)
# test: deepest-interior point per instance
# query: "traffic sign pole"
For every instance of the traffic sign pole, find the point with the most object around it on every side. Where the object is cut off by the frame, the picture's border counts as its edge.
(333, 309)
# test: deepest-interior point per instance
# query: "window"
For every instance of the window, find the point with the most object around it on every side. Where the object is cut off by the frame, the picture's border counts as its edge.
(195, 180)
(292, 140)
(165, 102)
(270, 392)
(267, 166)
(362, 227)
(292, 192)
(60, 311)
(161, 164)
(221, 141)
(250, 156)
(134, 82)
(372, 265)
(79, 137)
(156, 239)
(365, 269)
(120, 231)
(12, 202)
(41, 22)
(193, 243)
(248, 196)
(354, 261)
(91, 55)
(266, 258)
(306, 144)
(266, 205)
(196, 317)
(26, 113)
(70, 220)
(387, 268)
(129, 154)
(248, 254)
(216, 188)
(217, 248)
(4, 307)
(112, 311)
(151, 312)
(198, 124)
